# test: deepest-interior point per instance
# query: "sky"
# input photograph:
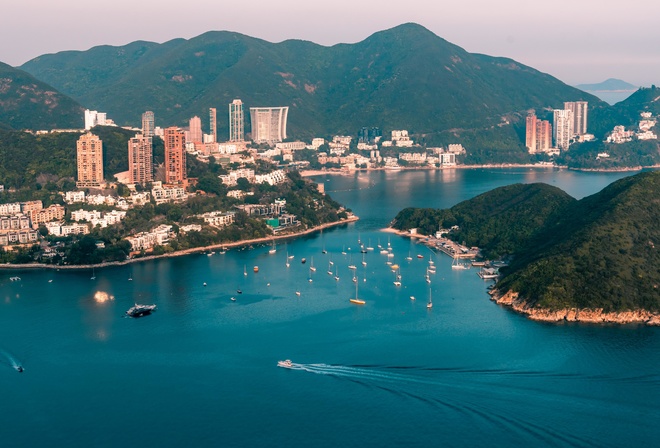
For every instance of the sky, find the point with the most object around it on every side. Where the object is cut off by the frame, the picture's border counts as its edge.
(576, 41)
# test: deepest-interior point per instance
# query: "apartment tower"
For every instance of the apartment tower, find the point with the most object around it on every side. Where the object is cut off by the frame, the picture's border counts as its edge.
(89, 158)
(175, 156)
(213, 124)
(268, 124)
(530, 133)
(140, 160)
(236, 121)
(579, 109)
(196, 135)
(148, 124)
(562, 128)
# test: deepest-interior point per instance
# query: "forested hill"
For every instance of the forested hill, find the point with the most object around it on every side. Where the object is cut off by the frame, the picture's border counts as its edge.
(402, 78)
(27, 103)
(598, 252)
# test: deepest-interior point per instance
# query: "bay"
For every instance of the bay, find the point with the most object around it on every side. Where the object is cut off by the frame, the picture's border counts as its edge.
(201, 371)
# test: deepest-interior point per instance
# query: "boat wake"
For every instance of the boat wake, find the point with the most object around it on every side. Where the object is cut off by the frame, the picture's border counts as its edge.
(7, 359)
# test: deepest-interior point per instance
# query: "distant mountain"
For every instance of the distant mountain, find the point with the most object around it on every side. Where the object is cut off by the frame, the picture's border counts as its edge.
(402, 78)
(611, 84)
(600, 253)
(27, 103)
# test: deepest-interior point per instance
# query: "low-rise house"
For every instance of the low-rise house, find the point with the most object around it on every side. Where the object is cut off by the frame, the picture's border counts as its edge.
(147, 240)
(218, 218)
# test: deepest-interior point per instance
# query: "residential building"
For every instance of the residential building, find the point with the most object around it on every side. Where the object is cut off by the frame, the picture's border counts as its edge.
(148, 124)
(272, 178)
(530, 133)
(218, 219)
(11, 208)
(71, 197)
(147, 240)
(16, 222)
(195, 127)
(233, 176)
(167, 193)
(175, 156)
(140, 160)
(237, 122)
(94, 118)
(52, 213)
(579, 110)
(268, 124)
(562, 128)
(543, 136)
(90, 161)
(291, 146)
(456, 148)
(213, 126)
(17, 237)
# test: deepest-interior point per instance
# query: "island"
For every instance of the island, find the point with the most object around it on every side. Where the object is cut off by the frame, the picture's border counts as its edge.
(590, 260)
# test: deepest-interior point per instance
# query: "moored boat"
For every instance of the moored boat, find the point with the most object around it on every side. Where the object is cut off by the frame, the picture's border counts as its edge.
(140, 310)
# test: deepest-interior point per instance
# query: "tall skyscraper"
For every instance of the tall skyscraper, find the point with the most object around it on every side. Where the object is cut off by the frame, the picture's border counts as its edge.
(196, 130)
(530, 133)
(140, 160)
(175, 156)
(268, 124)
(579, 109)
(562, 128)
(89, 158)
(236, 121)
(148, 124)
(543, 135)
(213, 124)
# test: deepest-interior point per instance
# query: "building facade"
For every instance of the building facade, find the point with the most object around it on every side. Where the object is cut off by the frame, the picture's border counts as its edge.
(140, 160)
(579, 110)
(538, 134)
(89, 159)
(175, 156)
(94, 118)
(148, 124)
(562, 128)
(196, 130)
(213, 125)
(268, 124)
(236, 121)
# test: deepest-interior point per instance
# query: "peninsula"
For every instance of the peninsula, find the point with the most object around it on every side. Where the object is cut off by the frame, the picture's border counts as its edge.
(593, 260)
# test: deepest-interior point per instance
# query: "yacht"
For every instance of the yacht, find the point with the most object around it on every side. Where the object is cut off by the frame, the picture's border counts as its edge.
(298, 293)
(140, 310)
(356, 300)
(287, 364)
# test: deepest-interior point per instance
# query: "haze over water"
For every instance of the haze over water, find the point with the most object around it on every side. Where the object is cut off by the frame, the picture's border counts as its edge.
(202, 370)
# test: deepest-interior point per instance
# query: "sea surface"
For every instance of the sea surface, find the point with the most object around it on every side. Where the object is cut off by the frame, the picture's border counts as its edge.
(201, 371)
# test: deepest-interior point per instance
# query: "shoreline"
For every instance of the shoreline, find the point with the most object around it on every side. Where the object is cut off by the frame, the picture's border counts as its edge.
(582, 315)
(350, 219)
(339, 171)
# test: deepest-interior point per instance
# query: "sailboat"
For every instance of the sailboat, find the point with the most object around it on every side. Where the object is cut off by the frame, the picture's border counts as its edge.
(330, 268)
(272, 250)
(364, 263)
(397, 278)
(245, 270)
(430, 304)
(336, 274)
(369, 247)
(356, 300)
(456, 265)
(93, 275)
(311, 267)
(287, 259)
(351, 265)
(323, 251)
(408, 258)
(343, 250)
(427, 277)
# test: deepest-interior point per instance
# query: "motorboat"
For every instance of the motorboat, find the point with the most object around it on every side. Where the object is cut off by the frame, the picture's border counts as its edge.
(287, 364)
(138, 310)
(19, 369)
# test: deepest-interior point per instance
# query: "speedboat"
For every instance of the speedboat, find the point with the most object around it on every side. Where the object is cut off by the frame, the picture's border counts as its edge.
(287, 364)
(19, 369)
(140, 310)
(233, 299)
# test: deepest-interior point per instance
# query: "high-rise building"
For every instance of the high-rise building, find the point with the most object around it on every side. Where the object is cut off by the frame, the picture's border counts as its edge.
(89, 158)
(268, 124)
(236, 121)
(562, 128)
(530, 133)
(175, 156)
(196, 130)
(94, 118)
(580, 110)
(543, 136)
(213, 124)
(148, 124)
(140, 160)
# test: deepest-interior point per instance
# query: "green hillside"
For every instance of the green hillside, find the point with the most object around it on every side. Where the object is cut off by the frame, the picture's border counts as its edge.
(602, 253)
(402, 78)
(27, 103)
(599, 252)
(500, 222)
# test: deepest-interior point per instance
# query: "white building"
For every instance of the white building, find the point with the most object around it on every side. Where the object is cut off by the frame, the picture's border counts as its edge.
(71, 197)
(233, 176)
(455, 148)
(620, 135)
(99, 199)
(94, 118)
(10, 209)
(190, 228)
(316, 142)
(268, 124)
(218, 218)
(272, 178)
(162, 193)
(146, 240)
(291, 146)
(562, 128)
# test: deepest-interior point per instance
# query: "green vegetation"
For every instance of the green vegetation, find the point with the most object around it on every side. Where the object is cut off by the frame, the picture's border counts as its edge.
(598, 252)
(500, 222)
(638, 153)
(402, 78)
(27, 103)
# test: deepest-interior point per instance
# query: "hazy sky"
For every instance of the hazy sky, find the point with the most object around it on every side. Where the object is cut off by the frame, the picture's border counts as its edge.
(577, 41)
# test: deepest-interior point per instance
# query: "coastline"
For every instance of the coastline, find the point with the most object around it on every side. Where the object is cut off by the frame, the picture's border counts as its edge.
(350, 219)
(583, 315)
(339, 171)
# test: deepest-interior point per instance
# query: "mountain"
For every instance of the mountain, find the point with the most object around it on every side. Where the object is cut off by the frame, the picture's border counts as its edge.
(402, 78)
(599, 253)
(609, 85)
(27, 103)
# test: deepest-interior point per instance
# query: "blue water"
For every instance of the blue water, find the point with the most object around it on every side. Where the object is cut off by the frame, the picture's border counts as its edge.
(201, 371)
